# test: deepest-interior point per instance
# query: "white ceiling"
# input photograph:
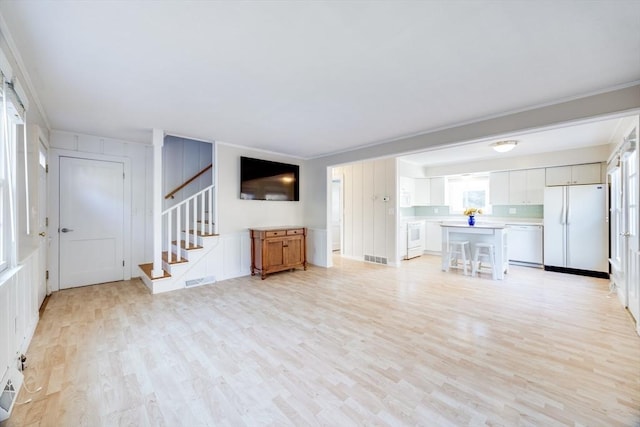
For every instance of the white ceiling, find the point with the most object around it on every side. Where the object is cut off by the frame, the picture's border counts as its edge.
(307, 78)
(548, 141)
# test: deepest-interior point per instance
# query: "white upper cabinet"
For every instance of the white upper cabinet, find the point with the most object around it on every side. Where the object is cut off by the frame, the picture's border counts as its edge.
(422, 192)
(499, 188)
(526, 187)
(587, 174)
(518, 187)
(437, 192)
(535, 186)
(574, 175)
(406, 191)
(522, 187)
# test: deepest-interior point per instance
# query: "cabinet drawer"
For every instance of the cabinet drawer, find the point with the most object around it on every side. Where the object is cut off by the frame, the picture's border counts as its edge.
(276, 233)
(295, 231)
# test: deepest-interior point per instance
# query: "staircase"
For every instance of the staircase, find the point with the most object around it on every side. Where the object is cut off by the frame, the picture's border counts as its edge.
(188, 239)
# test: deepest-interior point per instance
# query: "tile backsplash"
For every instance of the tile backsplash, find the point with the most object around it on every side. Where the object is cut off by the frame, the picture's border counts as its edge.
(518, 211)
(432, 211)
(501, 211)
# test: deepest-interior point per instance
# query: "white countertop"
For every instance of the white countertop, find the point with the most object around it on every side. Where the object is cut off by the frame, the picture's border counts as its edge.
(479, 220)
(481, 225)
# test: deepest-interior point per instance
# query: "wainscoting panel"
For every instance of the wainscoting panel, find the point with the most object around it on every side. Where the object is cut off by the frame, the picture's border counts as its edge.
(18, 310)
(317, 246)
(237, 255)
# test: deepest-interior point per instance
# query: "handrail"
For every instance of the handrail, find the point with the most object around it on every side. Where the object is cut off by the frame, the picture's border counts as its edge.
(189, 181)
(194, 216)
(187, 200)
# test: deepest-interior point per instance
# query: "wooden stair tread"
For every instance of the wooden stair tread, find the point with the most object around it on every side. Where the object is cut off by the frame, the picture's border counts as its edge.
(147, 268)
(201, 234)
(183, 245)
(177, 259)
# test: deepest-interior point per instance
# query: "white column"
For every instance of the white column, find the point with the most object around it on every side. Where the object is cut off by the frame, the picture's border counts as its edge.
(158, 141)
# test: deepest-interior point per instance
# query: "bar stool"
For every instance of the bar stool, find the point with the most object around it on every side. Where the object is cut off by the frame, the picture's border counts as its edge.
(484, 252)
(458, 251)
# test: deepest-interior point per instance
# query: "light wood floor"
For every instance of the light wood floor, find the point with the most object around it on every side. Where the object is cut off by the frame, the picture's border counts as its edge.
(359, 344)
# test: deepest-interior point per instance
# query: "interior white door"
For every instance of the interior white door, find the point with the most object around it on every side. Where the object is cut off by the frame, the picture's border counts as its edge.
(336, 215)
(631, 235)
(44, 239)
(91, 221)
(618, 242)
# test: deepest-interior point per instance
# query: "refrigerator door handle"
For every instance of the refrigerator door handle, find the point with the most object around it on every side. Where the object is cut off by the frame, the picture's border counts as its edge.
(563, 215)
(568, 215)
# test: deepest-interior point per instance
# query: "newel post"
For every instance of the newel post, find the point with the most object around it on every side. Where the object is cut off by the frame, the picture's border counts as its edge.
(158, 141)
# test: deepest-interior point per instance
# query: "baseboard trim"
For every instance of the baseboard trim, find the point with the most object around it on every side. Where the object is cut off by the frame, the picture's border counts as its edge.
(598, 274)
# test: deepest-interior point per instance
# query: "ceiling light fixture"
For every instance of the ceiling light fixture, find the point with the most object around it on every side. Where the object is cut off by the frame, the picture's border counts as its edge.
(504, 146)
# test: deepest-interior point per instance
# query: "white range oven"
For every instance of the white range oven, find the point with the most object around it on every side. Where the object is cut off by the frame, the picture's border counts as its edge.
(415, 239)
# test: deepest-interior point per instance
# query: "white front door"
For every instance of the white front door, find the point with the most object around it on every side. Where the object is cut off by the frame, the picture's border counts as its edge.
(43, 244)
(91, 222)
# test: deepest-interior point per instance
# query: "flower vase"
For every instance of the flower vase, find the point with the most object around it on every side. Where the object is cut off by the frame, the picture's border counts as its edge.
(472, 220)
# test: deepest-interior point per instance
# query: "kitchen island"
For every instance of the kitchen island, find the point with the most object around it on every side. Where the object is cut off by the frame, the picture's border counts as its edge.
(496, 234)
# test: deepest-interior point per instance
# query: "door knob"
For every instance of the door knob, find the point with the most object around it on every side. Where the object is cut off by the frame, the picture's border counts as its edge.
(41, 234)
(66, 230)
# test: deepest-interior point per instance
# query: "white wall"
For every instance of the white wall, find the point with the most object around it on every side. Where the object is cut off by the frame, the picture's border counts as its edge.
(237, 215)
(140, 158)
(370, 223)
(187, 157)
(19, 286)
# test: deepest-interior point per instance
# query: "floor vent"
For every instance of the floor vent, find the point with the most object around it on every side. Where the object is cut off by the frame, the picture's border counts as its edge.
(199, 282)
(10, 387)
(376, 259)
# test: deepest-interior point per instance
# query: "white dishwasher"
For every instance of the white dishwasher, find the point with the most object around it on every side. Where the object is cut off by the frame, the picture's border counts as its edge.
(524, 244)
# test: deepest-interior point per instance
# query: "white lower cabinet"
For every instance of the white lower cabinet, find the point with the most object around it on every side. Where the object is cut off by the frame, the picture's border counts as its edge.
(433, 241)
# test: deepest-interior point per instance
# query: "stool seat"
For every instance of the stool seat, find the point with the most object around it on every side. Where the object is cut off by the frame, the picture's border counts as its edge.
(484, 252)
(459, 252)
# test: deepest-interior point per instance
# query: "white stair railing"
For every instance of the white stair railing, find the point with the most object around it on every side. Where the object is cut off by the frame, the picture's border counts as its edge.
(184, 217)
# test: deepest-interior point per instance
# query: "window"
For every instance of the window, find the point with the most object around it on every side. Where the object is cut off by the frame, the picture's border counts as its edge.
(468, 191)
(4, 227)
(11, 114)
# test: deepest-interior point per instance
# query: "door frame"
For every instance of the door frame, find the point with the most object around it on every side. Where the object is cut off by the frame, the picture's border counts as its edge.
(54, 209)
(339, 181)
(44, 242)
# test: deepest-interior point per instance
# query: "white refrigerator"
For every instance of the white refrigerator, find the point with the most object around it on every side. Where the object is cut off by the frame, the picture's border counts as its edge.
(575, 229)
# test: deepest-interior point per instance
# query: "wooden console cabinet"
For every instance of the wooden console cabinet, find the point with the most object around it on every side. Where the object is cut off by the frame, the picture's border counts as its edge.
(277, 249)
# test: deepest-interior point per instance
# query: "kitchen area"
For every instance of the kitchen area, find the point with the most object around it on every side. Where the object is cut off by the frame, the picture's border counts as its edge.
(565, 198)
(422, 216)
(531, 204)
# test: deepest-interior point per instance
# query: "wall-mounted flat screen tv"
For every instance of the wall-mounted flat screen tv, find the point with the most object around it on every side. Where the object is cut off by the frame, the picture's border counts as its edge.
(266, 180)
